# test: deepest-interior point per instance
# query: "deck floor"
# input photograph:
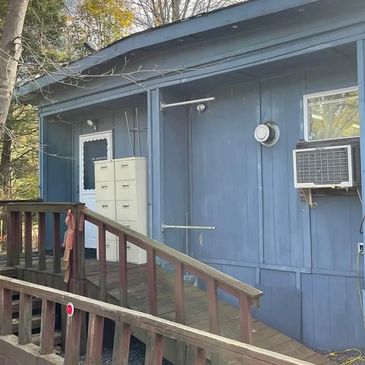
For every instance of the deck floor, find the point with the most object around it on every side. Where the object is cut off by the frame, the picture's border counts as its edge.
(197, 309)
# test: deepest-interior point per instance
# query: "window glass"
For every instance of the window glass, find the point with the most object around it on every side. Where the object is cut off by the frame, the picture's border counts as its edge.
(93, 151)
(333, 115)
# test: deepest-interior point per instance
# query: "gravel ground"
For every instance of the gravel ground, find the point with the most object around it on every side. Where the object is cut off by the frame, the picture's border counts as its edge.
(136, 354)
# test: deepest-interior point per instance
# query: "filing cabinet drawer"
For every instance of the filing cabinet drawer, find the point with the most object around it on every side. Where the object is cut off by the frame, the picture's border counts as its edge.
(104, 170)
(106, 208)
(134, 225)
(125, 190)
(132, 253)
(111, 236)
(104, 190)
(125, 169)
(126, 210)
(111, 250)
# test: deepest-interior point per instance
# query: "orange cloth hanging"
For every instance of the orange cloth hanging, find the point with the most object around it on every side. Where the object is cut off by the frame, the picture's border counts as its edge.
(68, 243)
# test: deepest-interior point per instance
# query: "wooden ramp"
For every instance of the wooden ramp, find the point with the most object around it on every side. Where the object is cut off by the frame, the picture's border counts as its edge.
(196, 308)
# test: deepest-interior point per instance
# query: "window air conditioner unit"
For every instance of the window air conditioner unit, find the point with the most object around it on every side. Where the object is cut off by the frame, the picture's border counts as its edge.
(327, 167)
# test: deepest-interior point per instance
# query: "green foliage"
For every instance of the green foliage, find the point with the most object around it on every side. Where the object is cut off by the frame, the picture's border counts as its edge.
(22, 127)
(334, 116)
(103, 21)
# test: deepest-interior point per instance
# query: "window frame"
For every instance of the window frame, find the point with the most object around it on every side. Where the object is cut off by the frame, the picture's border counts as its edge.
(306, 97)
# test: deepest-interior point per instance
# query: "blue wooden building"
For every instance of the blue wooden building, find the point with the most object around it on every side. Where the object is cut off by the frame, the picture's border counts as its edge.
(299, 64)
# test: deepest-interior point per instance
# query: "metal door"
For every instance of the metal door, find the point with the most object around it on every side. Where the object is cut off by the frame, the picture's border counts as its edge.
(93, 147)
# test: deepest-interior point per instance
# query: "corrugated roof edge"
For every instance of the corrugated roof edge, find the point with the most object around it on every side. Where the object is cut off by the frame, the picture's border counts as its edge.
(197, 24)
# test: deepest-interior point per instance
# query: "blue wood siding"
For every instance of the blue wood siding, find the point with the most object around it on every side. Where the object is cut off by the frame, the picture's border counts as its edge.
(57, 151)
(175, 162)
(309, 256)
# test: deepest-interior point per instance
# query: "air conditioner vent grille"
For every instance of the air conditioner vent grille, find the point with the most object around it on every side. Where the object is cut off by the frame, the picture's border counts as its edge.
(322, 166)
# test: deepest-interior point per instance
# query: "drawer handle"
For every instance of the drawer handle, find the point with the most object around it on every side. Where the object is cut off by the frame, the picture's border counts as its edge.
(125, 185)
(125, 205)
(105, 206)
(128, 245)
(104, 186)
(127, 225)
(124, 165)
(103, 167)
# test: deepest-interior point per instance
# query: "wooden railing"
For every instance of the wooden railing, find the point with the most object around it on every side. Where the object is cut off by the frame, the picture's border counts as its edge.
(200, 344)
(214, 279)
(23, 216)
(4, 219)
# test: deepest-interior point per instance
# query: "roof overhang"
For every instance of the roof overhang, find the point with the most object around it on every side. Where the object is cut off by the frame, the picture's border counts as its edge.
(248, 10)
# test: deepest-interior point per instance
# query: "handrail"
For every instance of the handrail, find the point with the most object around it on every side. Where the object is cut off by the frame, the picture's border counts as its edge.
(10, 201)
(158, 330)
(169, 253)
(214, 279)
(39, 206)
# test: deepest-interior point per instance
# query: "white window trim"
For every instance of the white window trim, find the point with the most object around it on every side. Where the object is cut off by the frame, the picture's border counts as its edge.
(306, 97)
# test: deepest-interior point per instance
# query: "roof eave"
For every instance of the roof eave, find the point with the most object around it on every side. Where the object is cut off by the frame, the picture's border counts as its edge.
(197, 24)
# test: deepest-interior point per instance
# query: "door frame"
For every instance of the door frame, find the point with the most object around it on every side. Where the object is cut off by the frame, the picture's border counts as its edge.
(87, 138)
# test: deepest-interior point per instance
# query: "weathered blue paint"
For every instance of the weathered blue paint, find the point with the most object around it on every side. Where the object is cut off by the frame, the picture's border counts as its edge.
(207, 168)
(42, 168)
(361, 83)
(156, 161)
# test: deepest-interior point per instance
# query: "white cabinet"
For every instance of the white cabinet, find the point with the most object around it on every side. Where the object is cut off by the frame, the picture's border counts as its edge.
(121, 195)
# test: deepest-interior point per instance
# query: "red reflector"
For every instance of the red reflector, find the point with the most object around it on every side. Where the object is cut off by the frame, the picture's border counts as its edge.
(70, 309)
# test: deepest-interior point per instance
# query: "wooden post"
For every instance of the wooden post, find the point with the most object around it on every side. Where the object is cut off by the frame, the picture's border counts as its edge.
(41, 241)
(123, 270)
(94, 339)
(47, 327)
(245, 319)
(28, 240)
(56, 243)
(122, 339)
(102, 262)
(213, 306)
(181, 348)
(25, 319)
(179, 293)
(6, 312)
(17, 237)
(78, 254)
(154, 349)
(73, 334)
(201, 357)
(9, 239)
(152, 281)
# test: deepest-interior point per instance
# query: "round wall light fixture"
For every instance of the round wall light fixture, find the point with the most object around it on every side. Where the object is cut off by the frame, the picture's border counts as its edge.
(267, 133)
(200, 107)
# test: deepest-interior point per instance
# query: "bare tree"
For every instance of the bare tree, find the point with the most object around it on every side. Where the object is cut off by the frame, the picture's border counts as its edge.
(10, 52)
(151, 13)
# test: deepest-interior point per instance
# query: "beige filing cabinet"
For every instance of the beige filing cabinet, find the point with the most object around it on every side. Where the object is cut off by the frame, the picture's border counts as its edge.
(121, 195)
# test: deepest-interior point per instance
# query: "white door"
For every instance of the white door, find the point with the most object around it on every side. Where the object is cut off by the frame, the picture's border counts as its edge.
(93, 147)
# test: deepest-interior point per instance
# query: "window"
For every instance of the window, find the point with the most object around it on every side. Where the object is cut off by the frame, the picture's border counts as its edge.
(331, 115)
(93, 151)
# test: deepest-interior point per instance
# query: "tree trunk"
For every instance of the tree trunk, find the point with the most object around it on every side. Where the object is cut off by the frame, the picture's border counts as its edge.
(10, 52)
(5, 167)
